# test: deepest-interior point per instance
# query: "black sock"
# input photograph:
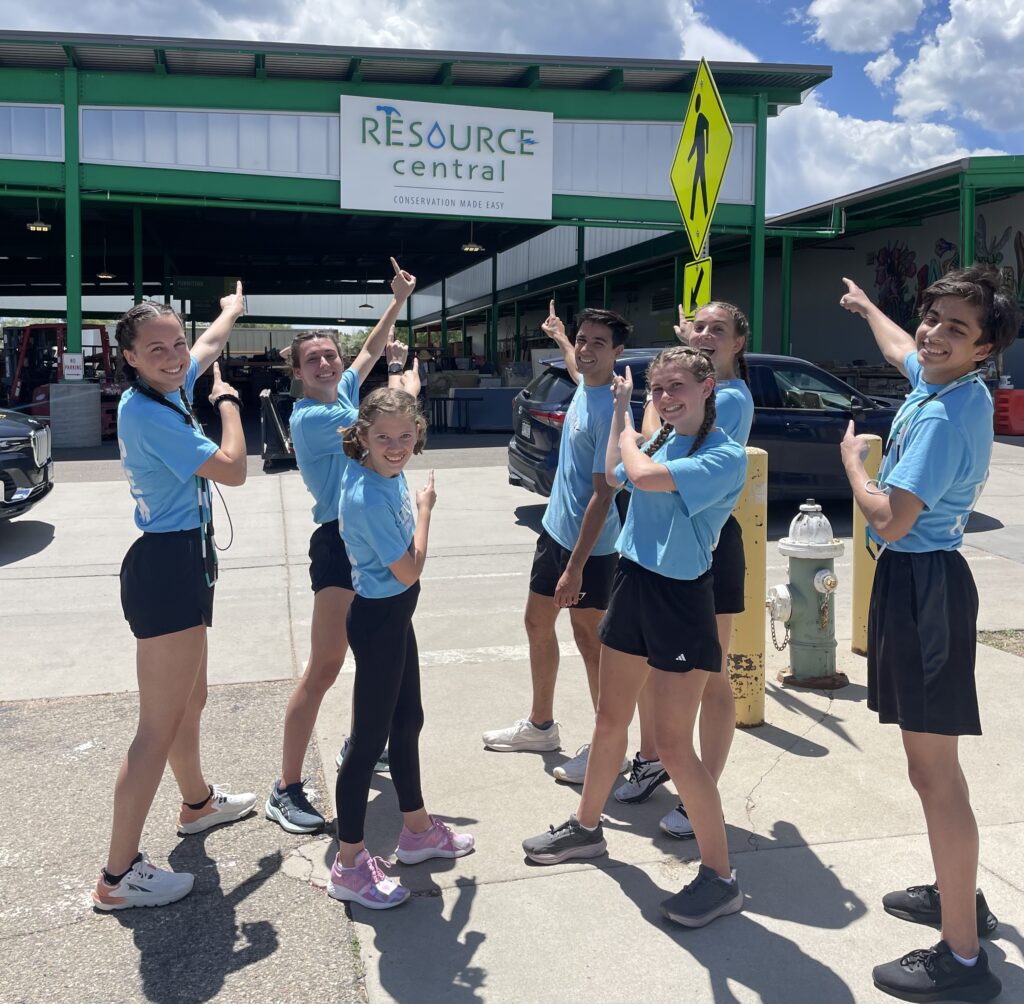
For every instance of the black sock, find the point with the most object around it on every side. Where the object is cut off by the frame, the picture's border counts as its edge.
(543, 726)
(200, 805)
(115, 879)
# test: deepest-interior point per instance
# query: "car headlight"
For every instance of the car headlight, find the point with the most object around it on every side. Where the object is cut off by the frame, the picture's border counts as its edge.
(20, 443)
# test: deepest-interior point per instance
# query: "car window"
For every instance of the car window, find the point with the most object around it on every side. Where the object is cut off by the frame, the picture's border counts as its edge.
(638, 370)
(553, 386)
(804, 389)
(763, 388)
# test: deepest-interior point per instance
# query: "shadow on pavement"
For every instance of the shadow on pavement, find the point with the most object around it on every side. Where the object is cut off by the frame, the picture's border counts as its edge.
(531, 515)
(979, 523)
(22, 538)
(829, 720)
(187, 950)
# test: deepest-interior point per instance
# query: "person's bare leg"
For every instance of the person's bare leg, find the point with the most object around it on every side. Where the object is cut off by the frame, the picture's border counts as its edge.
(184, 755)
(648, 730)
(678, 697)
(584, 629)
(541, 614)
(622, 677)
(718, 708)
(167, 668)
(934, 767)
(328, 645)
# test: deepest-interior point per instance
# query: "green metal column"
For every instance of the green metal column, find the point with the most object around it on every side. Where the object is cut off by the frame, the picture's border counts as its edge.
(581, 268)
(677, 281)
(444, 316)
(968, 221)
(137, 253)
(72, 213)
(606, 292)
(492, 327)
(408, 324)
(787, 294)
(517, 342)
(756, 313)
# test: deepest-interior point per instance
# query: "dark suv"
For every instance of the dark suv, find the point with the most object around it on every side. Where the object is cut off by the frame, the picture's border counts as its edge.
(800, 415)
(26, 471)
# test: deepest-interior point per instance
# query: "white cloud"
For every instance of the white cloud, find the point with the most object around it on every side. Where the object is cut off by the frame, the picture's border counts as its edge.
(859, 26)
(699, 40)
(881, 69)
(816, 154)
(971, 67)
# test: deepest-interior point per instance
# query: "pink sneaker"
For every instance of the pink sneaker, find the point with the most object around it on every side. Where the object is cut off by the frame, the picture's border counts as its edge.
(437, 842)
(366, 884)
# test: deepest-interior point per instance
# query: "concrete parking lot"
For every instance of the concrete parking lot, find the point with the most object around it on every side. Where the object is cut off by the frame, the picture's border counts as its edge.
(821, 818)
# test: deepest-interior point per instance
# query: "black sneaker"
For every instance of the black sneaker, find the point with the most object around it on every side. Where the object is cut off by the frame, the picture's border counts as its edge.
(570, 840)
(704, 899)
(920, 905)
(933, 974)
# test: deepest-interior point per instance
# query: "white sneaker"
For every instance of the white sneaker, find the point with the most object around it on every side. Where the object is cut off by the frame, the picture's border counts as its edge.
(524, 735)
(677, 823)
(574, 771)
(144, 885)
(645, 777)
(223, 807)
(382, 766)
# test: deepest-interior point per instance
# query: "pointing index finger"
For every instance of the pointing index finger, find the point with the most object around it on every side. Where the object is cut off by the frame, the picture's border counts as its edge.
(551, 309)
(396, 267)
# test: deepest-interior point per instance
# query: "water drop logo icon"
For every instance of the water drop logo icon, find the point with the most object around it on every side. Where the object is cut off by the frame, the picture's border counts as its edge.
(435, 138)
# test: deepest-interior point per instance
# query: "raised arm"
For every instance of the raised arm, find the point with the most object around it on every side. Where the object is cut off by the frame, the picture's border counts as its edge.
(622, 423)
(409, 567)
(555, 330)
(210, 344)
(228, 465)
(396, 354)
(895, 344)
(402, 286)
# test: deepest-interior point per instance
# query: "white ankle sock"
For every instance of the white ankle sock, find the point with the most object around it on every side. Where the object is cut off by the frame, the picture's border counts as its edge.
(963, 961)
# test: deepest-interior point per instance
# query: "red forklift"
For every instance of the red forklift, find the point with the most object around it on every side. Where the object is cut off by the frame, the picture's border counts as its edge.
(33, 358)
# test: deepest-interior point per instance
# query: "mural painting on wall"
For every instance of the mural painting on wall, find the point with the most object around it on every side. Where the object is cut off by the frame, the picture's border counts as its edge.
(895, 263)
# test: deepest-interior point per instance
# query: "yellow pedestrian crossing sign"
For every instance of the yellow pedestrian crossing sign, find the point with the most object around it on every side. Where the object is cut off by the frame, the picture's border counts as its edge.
(701, 158)
(696, 286)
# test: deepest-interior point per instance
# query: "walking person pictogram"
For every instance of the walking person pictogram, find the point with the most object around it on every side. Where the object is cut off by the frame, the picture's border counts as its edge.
(700, 149)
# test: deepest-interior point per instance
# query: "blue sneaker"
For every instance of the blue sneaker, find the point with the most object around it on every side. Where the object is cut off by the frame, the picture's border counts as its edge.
(291, 809)
(382, 765)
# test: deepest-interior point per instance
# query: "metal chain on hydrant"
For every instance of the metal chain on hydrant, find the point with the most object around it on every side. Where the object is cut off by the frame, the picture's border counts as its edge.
(785, 641)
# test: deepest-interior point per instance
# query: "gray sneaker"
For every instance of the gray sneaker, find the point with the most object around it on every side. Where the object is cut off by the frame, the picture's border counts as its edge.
(645, 777)
(523, 735)
(291, 809)
(382, 766)
(704, 899)
(677, 823)
(570, 840)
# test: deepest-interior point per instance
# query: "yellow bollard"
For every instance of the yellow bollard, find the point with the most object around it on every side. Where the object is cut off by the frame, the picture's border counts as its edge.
(863, 563)
(746, 652)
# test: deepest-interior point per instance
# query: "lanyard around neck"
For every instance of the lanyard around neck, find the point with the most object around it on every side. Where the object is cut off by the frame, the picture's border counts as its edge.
(901, 428)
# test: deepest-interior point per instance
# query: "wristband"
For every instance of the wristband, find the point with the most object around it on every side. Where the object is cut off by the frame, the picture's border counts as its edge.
(227, 397)
(395, 368)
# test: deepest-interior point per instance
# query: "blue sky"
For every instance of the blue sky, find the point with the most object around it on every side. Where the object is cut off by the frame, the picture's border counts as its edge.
(915, 82)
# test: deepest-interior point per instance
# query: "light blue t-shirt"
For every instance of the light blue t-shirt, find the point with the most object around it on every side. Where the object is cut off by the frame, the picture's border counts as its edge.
(673, 533)
(317, 442)
(376, 522)
(581, 455)
(942, 459)
(160, 454)
(735, 409)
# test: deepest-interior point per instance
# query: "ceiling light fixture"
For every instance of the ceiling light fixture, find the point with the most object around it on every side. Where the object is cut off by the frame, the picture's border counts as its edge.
(38, 226)
(366, 305)
(105, 274)
(471, 245)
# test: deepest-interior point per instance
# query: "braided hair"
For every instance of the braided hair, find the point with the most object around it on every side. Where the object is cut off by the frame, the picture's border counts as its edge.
(129, 323)
(742, 328)
(701, 367)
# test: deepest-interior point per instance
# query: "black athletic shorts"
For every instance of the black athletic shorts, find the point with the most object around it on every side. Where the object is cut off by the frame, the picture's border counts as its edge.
(549, 561)
(164, 584)
(328, 559)
(728, 569)
(922, 634)
(670, 622)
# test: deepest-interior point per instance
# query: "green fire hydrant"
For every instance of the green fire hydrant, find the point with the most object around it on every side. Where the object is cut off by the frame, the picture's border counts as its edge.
(806, 604)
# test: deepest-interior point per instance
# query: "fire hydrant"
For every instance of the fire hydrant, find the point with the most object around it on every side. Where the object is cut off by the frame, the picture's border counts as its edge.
(806, 604)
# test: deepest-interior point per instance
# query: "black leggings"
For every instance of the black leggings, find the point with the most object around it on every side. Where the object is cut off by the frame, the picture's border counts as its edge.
(386, 702)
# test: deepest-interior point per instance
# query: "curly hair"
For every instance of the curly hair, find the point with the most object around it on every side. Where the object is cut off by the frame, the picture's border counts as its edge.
(701, 366)
(981, 286)
(742, 328)
(383, 401)
(129, 323)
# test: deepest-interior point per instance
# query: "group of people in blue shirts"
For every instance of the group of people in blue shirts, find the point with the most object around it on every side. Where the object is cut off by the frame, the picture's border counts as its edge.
(652, 587)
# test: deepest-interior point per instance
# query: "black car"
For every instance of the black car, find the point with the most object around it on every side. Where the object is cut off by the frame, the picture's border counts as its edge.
(26, 471)
(800, 415)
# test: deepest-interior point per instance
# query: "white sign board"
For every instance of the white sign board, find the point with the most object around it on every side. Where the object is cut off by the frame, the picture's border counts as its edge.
(74, 366)
(453, 160)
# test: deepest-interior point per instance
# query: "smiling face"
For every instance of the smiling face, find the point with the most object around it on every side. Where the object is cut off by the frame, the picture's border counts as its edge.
(159, 353)
(714, 333)
(320, 367)
(947, 339)
(679, 397)
(595, 353)
(389, 443)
